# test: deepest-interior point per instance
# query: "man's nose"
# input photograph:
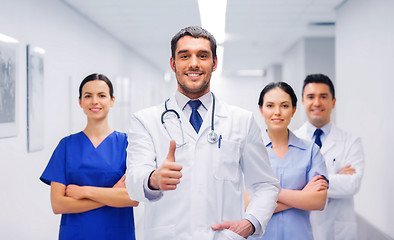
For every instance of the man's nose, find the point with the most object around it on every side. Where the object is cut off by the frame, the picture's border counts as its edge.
(194, 62)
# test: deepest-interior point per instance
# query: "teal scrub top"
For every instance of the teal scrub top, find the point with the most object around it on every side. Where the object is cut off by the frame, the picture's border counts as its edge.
(76, 161)
(301, 163)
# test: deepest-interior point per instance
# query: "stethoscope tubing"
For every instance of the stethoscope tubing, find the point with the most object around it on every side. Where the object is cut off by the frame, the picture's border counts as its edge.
(212, 136)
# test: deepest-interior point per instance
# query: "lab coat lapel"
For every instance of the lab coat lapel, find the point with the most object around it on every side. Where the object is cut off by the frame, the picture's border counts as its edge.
(219, 114)
(330, 140)
(206, 124)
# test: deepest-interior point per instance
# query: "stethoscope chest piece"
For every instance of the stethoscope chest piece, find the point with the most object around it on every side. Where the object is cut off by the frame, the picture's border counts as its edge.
(212, 137)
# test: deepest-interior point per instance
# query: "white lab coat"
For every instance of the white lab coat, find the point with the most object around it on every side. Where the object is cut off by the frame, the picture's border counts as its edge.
(212, 186)
(338, 221)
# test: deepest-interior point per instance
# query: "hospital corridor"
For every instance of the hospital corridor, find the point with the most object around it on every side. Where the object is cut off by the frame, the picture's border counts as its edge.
(48, 47)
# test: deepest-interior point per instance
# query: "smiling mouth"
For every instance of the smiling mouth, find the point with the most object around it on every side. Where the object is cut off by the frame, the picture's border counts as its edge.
(193, 74)
(276, 120)
(317, 111)
(95, 109)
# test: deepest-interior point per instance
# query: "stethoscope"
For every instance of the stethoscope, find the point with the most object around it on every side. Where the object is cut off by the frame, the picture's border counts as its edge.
(212, 136)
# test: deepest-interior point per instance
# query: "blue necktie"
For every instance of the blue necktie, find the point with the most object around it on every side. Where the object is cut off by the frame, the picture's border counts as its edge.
(195, 117)
(318, 133)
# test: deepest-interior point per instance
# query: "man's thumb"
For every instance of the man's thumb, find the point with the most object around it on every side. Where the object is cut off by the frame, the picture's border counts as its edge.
(171, 151)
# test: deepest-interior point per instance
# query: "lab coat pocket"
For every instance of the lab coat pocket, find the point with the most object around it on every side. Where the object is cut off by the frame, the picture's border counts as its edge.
(226, 161)
(163, 232)
(228, 234)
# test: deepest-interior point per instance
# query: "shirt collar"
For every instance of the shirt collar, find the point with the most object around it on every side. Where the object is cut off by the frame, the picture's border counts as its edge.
(293, 140)
(296, 142)
(182, 100)
(310, 129)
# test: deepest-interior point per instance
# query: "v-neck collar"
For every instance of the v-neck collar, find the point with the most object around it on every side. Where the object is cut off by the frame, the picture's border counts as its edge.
(294, 142)
(113, 132)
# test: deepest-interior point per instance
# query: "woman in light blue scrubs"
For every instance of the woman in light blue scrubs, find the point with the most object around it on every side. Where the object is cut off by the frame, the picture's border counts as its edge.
(86, 172)
(298, 165)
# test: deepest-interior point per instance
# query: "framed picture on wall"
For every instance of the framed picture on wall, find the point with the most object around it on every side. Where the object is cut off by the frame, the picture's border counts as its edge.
(35, 98)
(8, 107)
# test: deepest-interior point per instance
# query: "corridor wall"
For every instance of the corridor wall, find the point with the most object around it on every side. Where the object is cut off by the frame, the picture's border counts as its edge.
(364, 79)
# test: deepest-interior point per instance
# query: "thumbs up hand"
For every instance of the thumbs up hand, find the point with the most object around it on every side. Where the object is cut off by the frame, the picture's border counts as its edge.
(171, 152)
(168, 175)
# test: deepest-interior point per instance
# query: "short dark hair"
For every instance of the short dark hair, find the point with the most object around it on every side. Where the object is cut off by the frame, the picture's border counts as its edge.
(282, 85)
(196, 32)
(96, 76)
(319, 78)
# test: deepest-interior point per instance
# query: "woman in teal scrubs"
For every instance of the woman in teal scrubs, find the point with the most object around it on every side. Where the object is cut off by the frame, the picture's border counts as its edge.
(298, 165)
(86, 172)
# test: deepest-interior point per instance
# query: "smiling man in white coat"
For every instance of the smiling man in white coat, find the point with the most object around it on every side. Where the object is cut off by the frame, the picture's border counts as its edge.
(343, 154)
(190, 157)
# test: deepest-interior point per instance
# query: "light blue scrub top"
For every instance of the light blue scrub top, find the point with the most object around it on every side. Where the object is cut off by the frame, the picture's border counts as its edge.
(76, 161)
(301, 163)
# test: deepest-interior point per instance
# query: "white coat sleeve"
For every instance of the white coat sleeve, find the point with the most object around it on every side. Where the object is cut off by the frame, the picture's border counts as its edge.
(141, 158)
(260, 180)
(341, 185)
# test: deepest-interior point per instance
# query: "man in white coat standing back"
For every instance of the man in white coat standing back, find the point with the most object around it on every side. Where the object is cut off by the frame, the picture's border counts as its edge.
(344, 159)
(190, 157)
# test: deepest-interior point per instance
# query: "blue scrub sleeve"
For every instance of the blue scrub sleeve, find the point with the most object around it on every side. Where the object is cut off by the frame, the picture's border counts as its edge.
(56, 169)
(318, 165)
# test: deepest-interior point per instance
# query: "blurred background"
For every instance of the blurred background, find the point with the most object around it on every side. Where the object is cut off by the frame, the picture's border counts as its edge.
(351, 41)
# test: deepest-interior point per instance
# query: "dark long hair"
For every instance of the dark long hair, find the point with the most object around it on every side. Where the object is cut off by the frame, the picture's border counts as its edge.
(96, 76)
(282, 85)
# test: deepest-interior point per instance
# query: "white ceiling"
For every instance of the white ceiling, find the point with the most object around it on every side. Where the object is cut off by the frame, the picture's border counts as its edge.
(258, 32)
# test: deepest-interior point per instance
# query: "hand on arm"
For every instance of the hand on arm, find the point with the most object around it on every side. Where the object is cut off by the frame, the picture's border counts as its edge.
(168, 175)
(63, 204)
(121, 183)
(347, 170)
(243, 227)
(346, 182)
(317, 183)
(312, 197)
(116, 196)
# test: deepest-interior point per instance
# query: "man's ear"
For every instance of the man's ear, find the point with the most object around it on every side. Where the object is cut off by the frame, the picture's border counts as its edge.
(215, 64)
(172, 63)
